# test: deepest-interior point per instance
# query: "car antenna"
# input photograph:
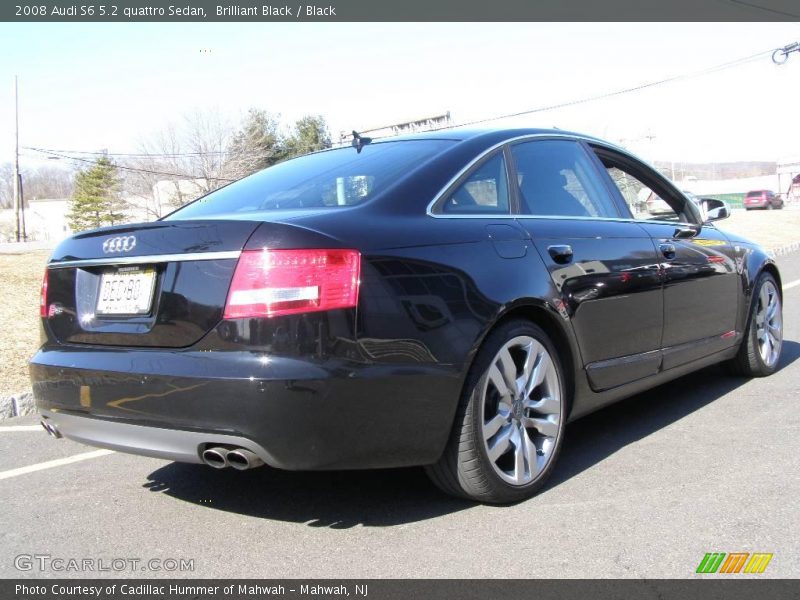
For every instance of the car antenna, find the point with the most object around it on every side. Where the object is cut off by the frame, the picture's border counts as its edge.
(359, 142)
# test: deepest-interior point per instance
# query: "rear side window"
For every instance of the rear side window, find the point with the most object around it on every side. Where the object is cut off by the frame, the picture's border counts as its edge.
(331, 179)
(485, 190)
(558, 178)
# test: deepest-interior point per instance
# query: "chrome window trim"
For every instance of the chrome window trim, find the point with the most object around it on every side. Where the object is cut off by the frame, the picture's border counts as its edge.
(474, 161)
(145, 260)
(532, 136)
(489, 217)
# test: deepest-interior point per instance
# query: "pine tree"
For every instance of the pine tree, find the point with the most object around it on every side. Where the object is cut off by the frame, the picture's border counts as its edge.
(96, 200)
(310, 134)
(257, 145)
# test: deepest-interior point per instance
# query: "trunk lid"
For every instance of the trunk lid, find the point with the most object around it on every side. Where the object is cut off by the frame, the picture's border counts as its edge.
(161, 284)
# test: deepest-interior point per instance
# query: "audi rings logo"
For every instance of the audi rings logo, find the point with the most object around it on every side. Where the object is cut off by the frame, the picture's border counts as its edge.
(119, 244)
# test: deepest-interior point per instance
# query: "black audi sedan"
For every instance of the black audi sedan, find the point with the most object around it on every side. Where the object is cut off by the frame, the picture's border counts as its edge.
(449, 299)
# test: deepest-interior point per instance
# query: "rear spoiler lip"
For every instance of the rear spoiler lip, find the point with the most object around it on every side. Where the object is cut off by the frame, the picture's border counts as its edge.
(151, 259)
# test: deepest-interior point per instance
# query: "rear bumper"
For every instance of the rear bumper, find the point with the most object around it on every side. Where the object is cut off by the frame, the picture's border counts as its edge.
(158, 442)
(294, 414)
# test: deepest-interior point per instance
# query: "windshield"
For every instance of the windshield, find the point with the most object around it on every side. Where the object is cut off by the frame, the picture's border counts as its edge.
(334, 178)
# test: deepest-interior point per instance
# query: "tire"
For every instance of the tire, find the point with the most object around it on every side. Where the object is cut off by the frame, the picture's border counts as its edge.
(493, 414)
(760, 350)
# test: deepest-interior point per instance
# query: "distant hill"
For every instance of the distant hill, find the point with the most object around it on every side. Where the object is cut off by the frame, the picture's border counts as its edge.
(725, 170)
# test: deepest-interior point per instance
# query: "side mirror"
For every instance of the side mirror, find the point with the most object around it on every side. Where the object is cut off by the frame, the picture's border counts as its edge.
(714, 210)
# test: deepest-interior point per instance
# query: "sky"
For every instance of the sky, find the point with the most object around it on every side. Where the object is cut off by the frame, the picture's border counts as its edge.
(111, 86)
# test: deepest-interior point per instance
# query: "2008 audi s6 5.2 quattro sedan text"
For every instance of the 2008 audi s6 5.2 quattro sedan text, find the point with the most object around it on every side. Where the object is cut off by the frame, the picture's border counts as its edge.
(448, 299)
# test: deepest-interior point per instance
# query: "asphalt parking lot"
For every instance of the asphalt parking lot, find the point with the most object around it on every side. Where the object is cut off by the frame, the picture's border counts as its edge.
(707, 463)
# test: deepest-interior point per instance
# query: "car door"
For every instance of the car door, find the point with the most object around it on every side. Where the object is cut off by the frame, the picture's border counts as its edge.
(604, 267)
(698, 263)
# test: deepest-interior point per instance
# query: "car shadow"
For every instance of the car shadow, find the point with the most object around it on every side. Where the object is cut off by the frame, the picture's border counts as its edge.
(389, 497)
(601, 434)
(334, 499)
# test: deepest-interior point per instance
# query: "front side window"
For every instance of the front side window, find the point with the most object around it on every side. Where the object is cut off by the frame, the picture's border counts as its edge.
(331, 179)
(558, 178)
(485, 191)
(645, 202)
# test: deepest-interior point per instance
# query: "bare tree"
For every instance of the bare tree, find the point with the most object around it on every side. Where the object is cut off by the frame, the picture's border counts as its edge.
(48, 182)
(203, 152)
(6, 185)
(207, 136)
(159, 163)
(180, 163)
(38, 182)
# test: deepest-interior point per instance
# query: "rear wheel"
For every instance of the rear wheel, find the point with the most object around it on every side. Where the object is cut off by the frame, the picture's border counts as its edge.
(510, 420)
(760, 351)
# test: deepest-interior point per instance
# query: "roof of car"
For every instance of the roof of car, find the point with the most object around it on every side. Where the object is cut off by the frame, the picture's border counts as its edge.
(468, 133)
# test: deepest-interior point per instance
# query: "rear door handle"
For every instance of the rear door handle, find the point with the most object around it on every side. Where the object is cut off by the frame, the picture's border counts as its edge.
(668, 250)
(561, 254)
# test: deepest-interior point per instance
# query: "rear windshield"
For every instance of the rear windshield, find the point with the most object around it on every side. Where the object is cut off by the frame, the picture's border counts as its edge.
(334, 178)
(754, 194)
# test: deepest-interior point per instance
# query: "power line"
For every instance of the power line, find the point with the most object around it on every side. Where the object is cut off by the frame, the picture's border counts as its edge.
(132, 154)
(135, 169)
(683, 76)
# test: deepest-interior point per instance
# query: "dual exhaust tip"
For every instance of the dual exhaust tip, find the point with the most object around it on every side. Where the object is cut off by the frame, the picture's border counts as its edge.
(238, 458)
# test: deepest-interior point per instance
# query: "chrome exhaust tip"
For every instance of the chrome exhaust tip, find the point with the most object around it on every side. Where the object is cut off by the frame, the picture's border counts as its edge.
(215, 457)
(242, 459)
(51, 429)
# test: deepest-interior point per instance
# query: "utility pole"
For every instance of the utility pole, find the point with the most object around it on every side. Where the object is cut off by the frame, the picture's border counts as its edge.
(16, 160)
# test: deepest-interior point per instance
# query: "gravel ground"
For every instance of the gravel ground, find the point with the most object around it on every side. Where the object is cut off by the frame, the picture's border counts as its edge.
(770, 228)
(21, 277)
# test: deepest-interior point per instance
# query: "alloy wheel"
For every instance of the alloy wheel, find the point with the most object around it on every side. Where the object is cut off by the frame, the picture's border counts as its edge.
(769, 324)
(522, 410)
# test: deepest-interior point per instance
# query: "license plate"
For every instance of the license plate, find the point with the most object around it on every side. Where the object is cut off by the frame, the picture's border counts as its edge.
(126, 291)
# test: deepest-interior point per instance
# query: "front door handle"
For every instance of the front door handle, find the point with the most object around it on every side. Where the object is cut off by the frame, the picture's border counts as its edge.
(685, 232)
(668, 250)
(562, 254)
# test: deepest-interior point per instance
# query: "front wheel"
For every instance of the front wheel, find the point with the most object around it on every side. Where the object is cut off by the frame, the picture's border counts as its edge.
(760, 351)
(510, 421)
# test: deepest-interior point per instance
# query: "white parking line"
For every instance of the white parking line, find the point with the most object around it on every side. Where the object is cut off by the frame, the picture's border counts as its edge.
(22, 428)
(54, 463)
(789, 286)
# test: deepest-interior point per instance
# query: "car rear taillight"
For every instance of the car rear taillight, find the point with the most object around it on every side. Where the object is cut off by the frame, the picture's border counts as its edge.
(43, 297)
(269, 283)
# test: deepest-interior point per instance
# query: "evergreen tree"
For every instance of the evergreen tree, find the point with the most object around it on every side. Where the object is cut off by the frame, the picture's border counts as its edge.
(96, 200)
(256, 145)
(310, 134)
